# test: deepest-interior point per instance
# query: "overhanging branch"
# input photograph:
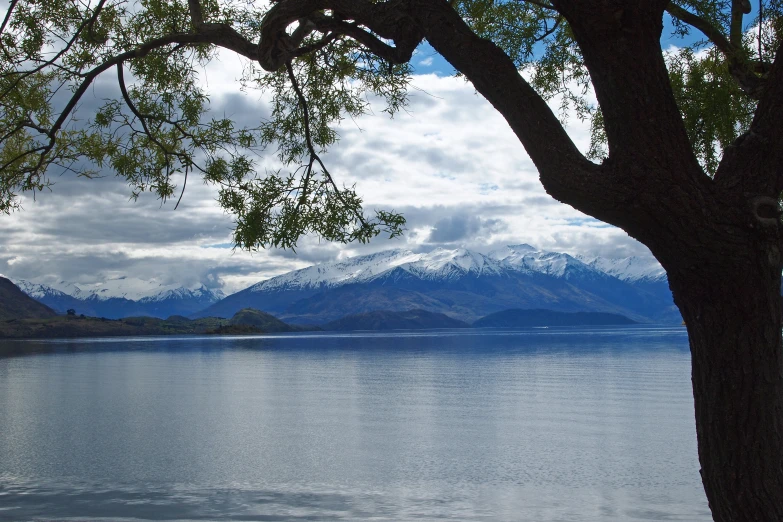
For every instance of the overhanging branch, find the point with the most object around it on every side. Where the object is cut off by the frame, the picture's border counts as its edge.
(742, 69)
(564, 171)
(216, 34)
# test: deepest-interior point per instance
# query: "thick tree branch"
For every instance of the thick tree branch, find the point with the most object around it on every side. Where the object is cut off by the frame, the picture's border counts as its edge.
(621, 47)
(739, 8)
(196, 14)
(565, 173)
(376, 46)
(752, 164)
(387, 20)
(712, 33)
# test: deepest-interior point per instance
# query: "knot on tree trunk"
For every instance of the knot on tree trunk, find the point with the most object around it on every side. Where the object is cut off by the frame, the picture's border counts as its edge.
(766, 210)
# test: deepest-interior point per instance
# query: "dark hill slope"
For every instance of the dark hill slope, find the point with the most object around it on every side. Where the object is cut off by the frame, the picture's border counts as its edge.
(540, 317)
(60, 326)
(15, 304)
(388, 320)
(261, 320)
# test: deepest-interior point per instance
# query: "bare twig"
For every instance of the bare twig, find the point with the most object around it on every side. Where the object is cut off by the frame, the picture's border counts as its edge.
(184, 184)
(308, 140)
(549, 31)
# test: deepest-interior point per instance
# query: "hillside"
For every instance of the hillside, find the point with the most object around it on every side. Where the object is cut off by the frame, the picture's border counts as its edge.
(260, 320)
(387, 320)
(15, 304)
(539, 317)
(61, 326)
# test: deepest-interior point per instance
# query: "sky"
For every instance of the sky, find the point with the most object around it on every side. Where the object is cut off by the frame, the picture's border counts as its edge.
(450, 164)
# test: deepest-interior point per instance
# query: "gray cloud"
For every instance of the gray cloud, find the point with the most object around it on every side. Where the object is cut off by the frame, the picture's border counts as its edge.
(461, 226)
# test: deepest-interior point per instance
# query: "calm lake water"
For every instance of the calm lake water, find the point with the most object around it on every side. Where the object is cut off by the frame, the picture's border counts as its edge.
(534, 425)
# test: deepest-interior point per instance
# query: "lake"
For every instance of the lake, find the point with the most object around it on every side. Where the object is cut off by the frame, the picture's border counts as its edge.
(568, 424)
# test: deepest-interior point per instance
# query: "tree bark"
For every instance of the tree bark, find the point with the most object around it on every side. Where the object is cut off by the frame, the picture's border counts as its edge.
(732, 308)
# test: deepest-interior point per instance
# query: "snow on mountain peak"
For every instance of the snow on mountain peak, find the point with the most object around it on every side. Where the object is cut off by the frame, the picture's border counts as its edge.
(441, 260)
(438, 264)
(124, 287)
(435, 264)
(35, 290)
(336, 273)
(186, 293)
(527, 258)
(630, 269)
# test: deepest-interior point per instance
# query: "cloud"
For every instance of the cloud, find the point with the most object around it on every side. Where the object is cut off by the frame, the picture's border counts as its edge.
(450, 164)
(461, 227)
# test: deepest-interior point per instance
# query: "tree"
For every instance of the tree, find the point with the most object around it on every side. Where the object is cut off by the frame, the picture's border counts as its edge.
(687, 154)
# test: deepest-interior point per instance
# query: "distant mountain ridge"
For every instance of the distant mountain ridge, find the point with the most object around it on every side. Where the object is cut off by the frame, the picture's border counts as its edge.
(122, 297)
(449, 264)
(462, 284)
(459, 283)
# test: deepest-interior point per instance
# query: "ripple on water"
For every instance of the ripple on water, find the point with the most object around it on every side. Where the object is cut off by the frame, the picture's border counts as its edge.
(567, 425)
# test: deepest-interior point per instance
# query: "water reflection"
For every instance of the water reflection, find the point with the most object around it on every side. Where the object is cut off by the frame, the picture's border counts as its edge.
(571, 424)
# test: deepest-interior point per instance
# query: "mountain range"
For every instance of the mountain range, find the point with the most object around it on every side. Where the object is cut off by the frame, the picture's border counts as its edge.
(122, 297)
(459, 283)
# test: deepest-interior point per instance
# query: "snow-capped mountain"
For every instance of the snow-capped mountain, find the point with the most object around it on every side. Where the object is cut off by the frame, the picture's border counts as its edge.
(122, 297)
(457, 282)
(36, 290)
(632, 269)
(328, 275)
(528, 259)
(438, 264)
(182, 293)
(460, 283)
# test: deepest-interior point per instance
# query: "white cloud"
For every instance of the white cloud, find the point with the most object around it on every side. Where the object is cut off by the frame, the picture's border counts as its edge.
(450, 163)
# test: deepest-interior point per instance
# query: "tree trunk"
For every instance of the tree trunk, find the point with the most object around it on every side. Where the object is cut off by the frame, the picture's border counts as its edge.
(732, 308)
